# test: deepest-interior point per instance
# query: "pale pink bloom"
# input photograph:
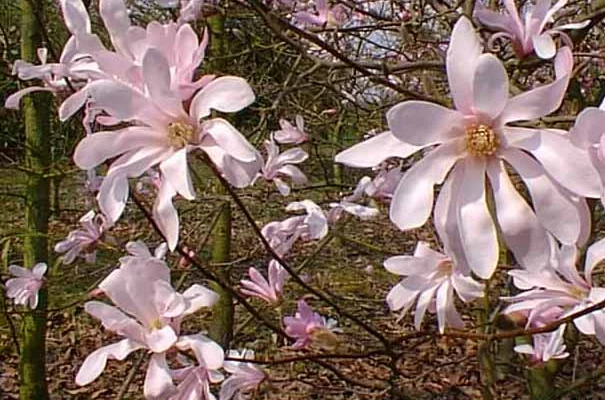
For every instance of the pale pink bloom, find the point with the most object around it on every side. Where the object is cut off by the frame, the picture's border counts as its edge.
(26, 284)
(282, 235)
(306, 324)
(528, 35)
(431, 280)
(289, 134)
(93, 181)
(139, 250)
(270, 291)
(315, 223)
(163, 136)
(324, 15)
(546, 346)
(83, 242)
(147, 314)
(475, 140)
(195, 379)
(279, 166)
(383, 186)
(349, 204)
(245, 376)
(560, 285)
(72, 65)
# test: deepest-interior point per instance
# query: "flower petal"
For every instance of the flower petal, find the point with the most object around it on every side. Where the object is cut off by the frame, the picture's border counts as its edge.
(476, 225)
(413, 199)
(230, 139)
(544, 46)
(549, 147)
(490, 86)
(522, 232)
(373, 151)
(225, 94)
(95, 362)
(462, 55)
(158, 381)
(176, 172)
(165, 215)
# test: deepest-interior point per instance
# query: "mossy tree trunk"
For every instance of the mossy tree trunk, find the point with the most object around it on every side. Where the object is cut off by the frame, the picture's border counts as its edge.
(36, 111)
(221, 327)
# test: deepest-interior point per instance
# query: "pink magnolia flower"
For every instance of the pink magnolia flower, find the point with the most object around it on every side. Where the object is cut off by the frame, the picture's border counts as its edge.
(245, 376)
(473, 141)
(279, 166)
(289, 134)
(26, 284)
(530, 35)
(147, 314)
(195, 379)
(257, 285)
(349, 204)
(431, 280)
(324, 15)
(163, 136)
(559, 285)
(315, 223)
(383, 186)
(83, 242)
(546, 346)
(306, 326)
(282, 235)
(72, 65)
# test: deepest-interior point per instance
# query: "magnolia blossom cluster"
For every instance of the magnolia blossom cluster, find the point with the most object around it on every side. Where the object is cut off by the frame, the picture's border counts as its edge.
(466, 151)
(528, 33)
(147, 313)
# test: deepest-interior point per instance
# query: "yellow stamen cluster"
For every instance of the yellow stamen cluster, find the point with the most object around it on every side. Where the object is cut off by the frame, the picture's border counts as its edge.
(180, 134)
(445, 268)
(156, 324)
(481, 140)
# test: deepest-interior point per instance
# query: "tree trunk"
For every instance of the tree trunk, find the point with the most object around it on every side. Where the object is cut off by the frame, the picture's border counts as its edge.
(36, 111)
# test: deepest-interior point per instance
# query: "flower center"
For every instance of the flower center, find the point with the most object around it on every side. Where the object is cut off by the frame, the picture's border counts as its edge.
(156, 324)
(445, 268)
(180, 134)
(481, 140)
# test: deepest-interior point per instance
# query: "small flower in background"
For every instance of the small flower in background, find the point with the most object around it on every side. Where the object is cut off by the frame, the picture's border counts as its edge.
(289, 134)
(560, 286)
(432, 279)
(546, 346)
(245, 376)
(308, 327)
(26, 284)
(530, 36)
(195, 379)
(257, 285)
(349, 204)
(83, 242)
(282, 235)
(315, 223)
(279, 166)
(324, 15)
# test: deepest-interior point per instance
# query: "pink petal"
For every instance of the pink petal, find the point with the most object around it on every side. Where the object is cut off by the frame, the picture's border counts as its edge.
(420, 123)
(544, 46)
(165, 215)
(543, 100)
(116, 20)
(176, 172)
(594, 254)
(522, 232)
(462, 55)
(225, 94)
(475, 221)
(413, 199)
(490, 87)
(95, 362)
(549, 147)
(158, 381)
(160, 340)
(156, 73)
(14, 100)
(373, 151)
(72, 104)
(424, 300)
(554, 208)
(75, 16)
(230, 139)
(96, 148)
(199, 296)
